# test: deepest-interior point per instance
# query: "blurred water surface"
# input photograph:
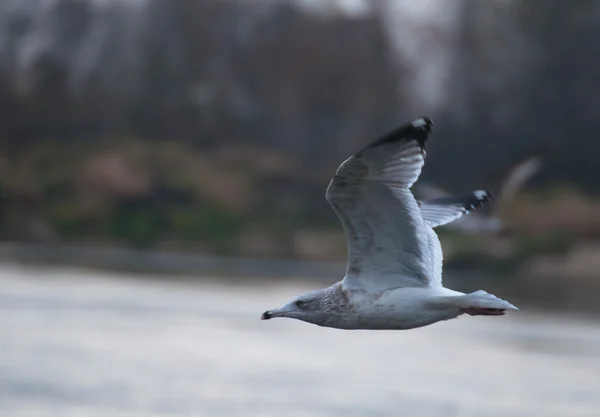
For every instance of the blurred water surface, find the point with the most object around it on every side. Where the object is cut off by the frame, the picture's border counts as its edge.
(76, 343)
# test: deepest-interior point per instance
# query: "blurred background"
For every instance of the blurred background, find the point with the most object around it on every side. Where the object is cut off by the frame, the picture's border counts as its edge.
(163, 167)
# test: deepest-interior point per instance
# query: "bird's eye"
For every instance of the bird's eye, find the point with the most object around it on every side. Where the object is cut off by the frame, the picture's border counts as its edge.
(300, 303)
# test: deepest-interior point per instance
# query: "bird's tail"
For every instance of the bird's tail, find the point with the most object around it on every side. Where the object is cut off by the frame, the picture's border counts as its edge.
(481, 303)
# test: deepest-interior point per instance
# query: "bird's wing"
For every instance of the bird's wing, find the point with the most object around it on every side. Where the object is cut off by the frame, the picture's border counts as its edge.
(436, 256)
(385, 233)
(443, 210)
(505, 183)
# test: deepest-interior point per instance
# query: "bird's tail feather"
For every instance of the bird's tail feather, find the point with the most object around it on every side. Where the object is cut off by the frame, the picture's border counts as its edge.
(481, 303)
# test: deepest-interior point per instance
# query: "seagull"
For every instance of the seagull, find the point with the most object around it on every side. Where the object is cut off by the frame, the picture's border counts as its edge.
(393, 275)
(504, 184)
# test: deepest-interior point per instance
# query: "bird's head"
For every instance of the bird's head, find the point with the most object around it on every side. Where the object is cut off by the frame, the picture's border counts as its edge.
(313, 307)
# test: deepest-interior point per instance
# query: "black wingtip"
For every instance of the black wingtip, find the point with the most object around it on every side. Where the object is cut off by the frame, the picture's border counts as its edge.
(483, 196)
(418, 130)
(424, 123)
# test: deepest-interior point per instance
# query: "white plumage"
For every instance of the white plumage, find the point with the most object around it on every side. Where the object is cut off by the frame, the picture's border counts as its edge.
(386, 236)
(394, 271)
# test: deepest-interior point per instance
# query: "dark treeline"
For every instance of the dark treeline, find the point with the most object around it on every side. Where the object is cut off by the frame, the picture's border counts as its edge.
(206, 72)
(271, 73)
(529, 72)
(273, 76)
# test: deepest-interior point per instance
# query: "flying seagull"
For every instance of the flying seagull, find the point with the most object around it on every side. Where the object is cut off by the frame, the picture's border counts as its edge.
(393, 276)
(504, 184)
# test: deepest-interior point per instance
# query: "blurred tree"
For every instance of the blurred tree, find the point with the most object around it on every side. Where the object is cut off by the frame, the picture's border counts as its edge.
(273, 78)
(523, 75)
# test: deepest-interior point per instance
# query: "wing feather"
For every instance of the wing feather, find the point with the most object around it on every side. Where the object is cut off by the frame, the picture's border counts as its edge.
(443, 210)
(437, 257)
(386, 236)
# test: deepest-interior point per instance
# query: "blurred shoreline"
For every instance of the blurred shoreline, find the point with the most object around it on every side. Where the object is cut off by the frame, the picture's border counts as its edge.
(160, 262)
(528, 291)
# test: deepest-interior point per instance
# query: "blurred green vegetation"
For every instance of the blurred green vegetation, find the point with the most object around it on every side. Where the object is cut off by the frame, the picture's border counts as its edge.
(77, 199)
(173, 195)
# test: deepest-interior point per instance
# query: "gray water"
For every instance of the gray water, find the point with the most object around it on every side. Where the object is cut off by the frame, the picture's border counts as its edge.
(76, 343)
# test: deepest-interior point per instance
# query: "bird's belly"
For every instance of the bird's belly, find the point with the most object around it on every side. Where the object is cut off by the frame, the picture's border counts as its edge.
(393, 322)
(400, 309)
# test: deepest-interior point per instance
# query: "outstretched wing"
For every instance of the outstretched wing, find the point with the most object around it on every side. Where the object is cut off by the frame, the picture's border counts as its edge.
(443, 210)
(386, 236)
(436, 257)
(504, 183)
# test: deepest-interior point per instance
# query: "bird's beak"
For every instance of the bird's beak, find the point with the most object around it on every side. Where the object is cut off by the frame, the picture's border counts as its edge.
(269, 314)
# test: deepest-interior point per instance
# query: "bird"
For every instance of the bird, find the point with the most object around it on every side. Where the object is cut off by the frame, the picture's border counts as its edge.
(393, 278)
(503, 183)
